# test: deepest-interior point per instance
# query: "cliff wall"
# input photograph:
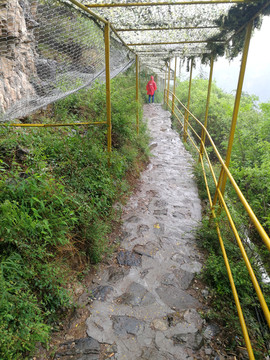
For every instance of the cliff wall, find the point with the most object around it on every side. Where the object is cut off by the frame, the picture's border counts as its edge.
(17, 51)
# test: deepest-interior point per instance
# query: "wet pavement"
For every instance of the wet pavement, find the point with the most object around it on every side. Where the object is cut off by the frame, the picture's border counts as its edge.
(141, 305)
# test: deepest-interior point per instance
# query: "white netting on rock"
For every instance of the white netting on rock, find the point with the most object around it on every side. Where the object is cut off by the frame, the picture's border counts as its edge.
(49, 49)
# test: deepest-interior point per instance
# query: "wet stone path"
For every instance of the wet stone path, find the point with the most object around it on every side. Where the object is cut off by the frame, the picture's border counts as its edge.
(141, 307)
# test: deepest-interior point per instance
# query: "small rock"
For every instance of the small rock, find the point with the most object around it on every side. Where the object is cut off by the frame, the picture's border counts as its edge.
(127, 325)
(150, 249)
(153, 145)
(79, 290)
(208, 351)
(176, 299)
(211, 331)
(137, 295)
(198, 342)
(161, 212)
(128, 258)
(100, 292)
(205, 293)
(160, 325)
(85, 346)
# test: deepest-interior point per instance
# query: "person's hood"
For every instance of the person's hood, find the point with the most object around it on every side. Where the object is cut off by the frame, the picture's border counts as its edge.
(152, 78)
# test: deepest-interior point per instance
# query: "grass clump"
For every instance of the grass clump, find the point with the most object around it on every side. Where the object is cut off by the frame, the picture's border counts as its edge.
(56, 211)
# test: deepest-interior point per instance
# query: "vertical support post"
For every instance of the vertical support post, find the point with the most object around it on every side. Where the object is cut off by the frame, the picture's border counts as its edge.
(108, 90)
(223, 177)
(207, 106)
(137, 93)
(186, 113)
(174, 81)
(165, 82)
(169, 74)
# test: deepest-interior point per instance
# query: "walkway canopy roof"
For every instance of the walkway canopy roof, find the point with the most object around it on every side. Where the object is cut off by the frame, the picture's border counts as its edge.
(159, 30)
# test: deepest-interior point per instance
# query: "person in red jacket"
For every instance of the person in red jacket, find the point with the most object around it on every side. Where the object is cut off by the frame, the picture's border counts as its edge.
(151, 87)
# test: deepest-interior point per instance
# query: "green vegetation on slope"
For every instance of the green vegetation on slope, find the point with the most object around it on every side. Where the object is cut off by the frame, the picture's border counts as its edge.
(56, 199)
(250, 166)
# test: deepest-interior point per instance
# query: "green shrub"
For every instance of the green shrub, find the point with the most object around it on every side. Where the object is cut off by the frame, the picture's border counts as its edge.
(56, 199)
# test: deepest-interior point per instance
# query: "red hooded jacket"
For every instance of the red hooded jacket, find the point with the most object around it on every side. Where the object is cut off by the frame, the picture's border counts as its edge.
(151, 86)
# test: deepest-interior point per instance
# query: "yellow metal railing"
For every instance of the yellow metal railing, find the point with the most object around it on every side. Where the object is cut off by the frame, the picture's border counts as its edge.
(201, 149)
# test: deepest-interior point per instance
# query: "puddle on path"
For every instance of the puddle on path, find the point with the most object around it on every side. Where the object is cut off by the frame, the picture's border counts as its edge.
(142, 307)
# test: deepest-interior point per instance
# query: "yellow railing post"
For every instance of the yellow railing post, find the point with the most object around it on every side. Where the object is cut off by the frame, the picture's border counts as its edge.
(223, 177)
(186, 113)
(137, 93)
(165, 82)
(169, 74)
(174, 80)
(108, 90)
(207, 106)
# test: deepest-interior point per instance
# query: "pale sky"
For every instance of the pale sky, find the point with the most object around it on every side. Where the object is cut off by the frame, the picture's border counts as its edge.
(257, 76)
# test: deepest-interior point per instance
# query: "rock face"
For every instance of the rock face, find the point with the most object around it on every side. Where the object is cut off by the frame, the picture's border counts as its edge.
(17, 51)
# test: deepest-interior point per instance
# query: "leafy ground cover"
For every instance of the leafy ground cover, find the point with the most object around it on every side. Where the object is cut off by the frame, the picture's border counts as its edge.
(250, 167)
(56, 206)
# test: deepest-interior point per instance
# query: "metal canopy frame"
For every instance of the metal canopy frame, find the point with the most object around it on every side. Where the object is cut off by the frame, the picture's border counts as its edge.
(170, 23)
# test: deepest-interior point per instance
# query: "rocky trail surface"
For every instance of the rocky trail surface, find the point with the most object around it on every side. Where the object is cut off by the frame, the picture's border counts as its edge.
(143, 306)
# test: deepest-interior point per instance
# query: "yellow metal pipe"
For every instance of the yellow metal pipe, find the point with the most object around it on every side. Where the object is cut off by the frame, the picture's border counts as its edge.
(189, 92)
(165, 82)
(137, 93)
(236, 108)
(174, 81)
(54, 125)
(246, 260)
(176, 42)
(196, 2)
(239, 242)
(169, 74)
(169, 28)
(226, 261)
(119, 37)
(85, 8)
(108, 89)
(241, 247)
(240, 195)
(207, 104)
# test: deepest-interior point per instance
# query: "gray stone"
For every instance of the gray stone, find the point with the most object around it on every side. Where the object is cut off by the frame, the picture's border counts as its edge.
(158, 229)
(177, 299)
(124, 325)
(198, 341)
(205, 293)
(142, 229)
(160, 325)
(153, 145)
(169, 279)
(149, 249)
(192, 267)
(129, 258)
(184, 278)
(160, 203)
(137, 295)
(210, 331)
(161, 212)
(100, 292)
(116, 273)
(85, 348)
(133, 219)
(208, 351)
(154, 354)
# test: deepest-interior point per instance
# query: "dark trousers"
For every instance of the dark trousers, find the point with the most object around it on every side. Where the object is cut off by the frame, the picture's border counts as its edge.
(153, 97)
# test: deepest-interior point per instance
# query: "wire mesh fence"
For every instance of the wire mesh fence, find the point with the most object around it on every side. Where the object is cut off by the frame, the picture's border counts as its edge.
(48, 50)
